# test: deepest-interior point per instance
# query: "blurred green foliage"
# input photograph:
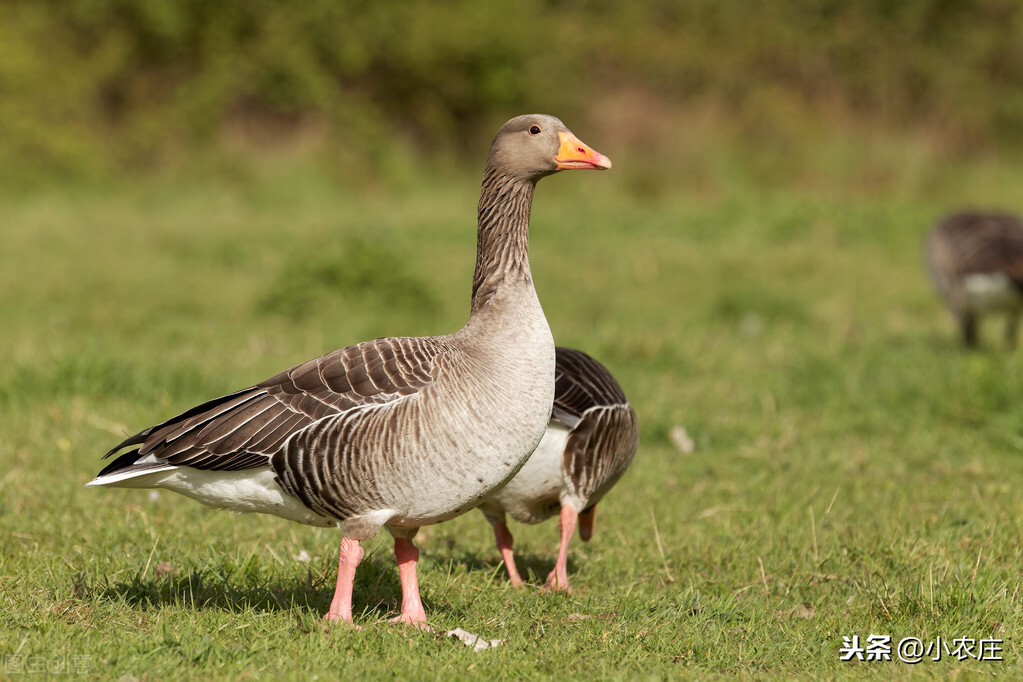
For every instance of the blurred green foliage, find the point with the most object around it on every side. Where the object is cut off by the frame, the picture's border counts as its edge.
(99, 86)
(308, 280)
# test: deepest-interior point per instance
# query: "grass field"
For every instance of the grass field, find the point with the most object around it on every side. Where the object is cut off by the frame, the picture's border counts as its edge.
(854, 473)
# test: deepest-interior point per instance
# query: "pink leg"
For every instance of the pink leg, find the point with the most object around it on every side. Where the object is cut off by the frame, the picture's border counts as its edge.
(505, 542)
(558, 578)
(348, 560)
(586, 521)
(411, 605)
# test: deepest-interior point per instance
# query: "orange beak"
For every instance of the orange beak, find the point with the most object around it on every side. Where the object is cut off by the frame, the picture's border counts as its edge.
(588, 517)
(573, 154)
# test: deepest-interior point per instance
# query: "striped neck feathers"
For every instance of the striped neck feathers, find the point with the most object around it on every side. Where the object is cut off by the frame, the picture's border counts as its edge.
(502, 243)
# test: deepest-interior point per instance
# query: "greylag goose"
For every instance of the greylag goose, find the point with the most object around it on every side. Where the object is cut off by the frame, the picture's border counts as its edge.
(396, 432)
(975, 260)
(589, 443)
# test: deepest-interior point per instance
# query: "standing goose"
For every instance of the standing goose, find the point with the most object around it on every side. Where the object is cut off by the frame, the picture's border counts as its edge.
(589, 443)
(976, 263)
(396, 432)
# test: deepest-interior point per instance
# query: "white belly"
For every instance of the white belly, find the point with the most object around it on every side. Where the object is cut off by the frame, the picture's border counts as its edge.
(535, 492)
(477, 431)
(250, 490)
(990, 291)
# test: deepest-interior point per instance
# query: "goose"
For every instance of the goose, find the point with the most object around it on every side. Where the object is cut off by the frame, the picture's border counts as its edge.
(975, 260)
(589, 443)
(396, 432)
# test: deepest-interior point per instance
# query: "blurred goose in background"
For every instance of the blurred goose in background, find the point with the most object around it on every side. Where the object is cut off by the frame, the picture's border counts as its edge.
(590, 442)
(975, 260)
(396, 432)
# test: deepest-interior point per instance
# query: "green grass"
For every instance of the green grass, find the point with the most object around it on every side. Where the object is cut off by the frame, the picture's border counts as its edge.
(855, 472)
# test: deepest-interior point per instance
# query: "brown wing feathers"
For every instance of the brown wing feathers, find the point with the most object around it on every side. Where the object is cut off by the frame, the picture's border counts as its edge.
(242, 429)
(605, 431)
(581, 383)
(984, 242)
(600, 449)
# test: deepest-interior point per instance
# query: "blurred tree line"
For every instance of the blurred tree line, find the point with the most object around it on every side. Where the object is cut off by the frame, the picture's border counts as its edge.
(92, 86)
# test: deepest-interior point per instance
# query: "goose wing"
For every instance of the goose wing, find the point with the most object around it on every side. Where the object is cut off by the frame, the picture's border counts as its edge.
(242, 429)
(600, 449)
(604, 430)
(581, 383)
(978, 242)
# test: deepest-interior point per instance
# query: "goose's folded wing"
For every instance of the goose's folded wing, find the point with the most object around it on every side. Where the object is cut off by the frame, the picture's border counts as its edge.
(979, 242)
(1012, 250)
(580, 383)
(600, 449)
(242, 429)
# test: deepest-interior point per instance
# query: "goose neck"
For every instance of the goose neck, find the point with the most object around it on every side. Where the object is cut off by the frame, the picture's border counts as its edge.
(502, 245)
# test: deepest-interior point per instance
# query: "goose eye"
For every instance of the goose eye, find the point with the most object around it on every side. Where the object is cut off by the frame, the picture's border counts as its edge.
(534, 130)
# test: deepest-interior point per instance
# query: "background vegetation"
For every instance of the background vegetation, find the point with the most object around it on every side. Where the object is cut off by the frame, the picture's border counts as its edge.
(195, 195)
(100, 86)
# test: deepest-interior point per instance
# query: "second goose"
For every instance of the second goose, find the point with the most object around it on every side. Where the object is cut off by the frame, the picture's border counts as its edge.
(590, 442)
(975, 260)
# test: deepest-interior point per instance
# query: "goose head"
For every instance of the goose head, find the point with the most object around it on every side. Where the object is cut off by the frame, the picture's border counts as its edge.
(535, 145)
